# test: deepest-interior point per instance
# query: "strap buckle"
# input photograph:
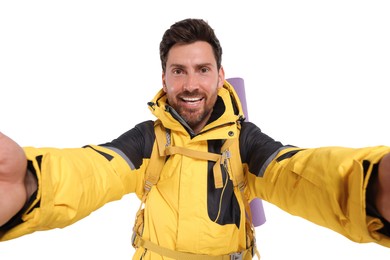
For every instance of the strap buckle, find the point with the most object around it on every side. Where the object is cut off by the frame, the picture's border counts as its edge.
(134, 240)
(236, 256)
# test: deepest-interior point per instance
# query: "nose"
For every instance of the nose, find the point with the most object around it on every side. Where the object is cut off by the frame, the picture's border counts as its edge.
(191, 83)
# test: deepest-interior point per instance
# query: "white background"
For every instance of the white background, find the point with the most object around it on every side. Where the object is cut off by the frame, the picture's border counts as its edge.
(81, 72)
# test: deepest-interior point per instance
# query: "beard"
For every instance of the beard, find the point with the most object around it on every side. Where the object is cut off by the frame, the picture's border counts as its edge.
(193, 116)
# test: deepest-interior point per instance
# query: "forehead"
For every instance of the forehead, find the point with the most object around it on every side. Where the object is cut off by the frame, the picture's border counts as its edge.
(197, 52)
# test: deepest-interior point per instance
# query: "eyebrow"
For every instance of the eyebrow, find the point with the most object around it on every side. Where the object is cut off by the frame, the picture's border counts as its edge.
(175, 65)
(206, 64)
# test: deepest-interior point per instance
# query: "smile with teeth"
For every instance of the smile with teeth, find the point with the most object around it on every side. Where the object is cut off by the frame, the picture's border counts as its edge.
(191, 100)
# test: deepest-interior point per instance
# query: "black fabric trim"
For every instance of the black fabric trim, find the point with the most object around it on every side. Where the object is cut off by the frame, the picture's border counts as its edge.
(39, 159)
(105, 155)
(366, 165)
(218, 110)
(287, 155)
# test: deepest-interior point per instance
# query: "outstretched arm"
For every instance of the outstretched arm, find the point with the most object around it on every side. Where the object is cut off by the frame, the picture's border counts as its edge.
(382, 188)
(16, 185)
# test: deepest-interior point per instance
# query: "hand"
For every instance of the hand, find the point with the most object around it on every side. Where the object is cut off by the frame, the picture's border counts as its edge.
(13, 168)
(382, 200)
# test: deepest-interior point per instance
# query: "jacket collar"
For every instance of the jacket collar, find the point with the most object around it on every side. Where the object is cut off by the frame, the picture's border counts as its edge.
(226, 114)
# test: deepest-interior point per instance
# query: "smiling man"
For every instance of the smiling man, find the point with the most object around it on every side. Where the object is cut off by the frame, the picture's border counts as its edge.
(195, 168)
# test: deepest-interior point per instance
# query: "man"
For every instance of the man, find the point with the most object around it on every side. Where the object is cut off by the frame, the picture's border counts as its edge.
(213, 164)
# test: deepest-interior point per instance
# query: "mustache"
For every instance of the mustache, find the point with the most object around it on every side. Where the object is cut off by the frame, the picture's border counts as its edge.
(187, 93)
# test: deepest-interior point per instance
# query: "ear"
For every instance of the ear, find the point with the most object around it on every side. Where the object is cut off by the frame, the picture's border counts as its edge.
(221, 77)
(164, 85)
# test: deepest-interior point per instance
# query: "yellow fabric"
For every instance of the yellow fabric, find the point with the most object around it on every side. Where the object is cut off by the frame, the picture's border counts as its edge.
(326, 186)
(72, 184)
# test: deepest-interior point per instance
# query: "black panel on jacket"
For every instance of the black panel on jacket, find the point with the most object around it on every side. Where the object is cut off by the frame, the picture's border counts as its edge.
(137, 143)
(230, 212)
(256, 147)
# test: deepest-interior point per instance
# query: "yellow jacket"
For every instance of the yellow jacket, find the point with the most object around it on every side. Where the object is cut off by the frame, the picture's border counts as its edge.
(185, 211)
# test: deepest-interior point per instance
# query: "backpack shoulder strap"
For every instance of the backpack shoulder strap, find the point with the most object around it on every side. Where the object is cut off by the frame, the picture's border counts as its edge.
(239, 180)
(152, 175)
(157, 158)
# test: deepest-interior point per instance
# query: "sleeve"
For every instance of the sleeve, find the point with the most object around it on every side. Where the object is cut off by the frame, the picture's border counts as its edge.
(326, 186)
(74, 182)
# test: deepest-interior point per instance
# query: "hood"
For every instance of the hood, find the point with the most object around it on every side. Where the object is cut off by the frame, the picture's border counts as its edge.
(227, 112)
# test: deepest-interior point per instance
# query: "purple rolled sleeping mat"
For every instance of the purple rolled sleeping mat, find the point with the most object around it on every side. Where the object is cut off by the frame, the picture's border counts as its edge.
(256, 205)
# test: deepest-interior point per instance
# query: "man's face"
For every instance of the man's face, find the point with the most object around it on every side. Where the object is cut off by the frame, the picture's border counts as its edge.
(191, 81)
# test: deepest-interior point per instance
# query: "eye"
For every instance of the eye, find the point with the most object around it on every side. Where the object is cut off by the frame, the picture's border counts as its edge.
(177, 71)
(204, 70)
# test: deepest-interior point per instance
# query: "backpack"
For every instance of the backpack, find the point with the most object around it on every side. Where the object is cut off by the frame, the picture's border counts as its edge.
(161, 149)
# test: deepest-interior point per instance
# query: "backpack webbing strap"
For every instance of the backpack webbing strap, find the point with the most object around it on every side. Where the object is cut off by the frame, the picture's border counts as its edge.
(163, 251)
(170, 150)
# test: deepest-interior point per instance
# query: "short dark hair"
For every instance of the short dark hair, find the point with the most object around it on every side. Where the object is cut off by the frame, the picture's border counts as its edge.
(189, 31)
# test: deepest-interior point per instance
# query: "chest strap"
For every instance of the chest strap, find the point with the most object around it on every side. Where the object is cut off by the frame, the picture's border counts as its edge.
(218, 158)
